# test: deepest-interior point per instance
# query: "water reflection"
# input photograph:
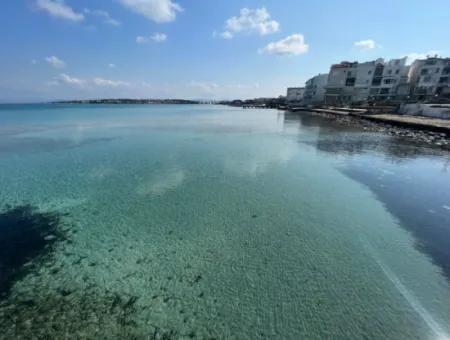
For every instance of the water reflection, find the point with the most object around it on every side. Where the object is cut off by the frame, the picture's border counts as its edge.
(162, 183)
(335, 138)
(412, 182)
(258, 155)
(14, 144)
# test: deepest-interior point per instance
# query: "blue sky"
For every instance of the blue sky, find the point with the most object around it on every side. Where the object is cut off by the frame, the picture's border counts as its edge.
(200, 49)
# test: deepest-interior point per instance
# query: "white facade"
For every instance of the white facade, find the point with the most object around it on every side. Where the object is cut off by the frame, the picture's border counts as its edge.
(395, 74)
(364, 76)
(377, 80)
(341, 82)
(295, 94)
(430, 77)
(315, 90)
(351, 83)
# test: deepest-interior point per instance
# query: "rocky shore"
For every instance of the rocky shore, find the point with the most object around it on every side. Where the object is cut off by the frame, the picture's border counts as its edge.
(428, 138)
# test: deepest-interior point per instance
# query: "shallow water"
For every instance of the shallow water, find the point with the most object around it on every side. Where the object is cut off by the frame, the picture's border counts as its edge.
(217, 222)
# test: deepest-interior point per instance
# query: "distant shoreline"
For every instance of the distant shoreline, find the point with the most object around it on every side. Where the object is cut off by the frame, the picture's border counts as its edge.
(129, 101)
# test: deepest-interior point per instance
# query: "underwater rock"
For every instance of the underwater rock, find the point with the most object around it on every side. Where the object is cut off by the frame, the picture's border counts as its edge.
(25, 235)
(49, 237)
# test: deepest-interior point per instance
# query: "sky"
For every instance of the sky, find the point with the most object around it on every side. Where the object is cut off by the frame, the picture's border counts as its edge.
(199, 49)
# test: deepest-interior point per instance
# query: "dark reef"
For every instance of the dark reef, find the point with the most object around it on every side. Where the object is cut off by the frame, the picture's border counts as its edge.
(26, 235)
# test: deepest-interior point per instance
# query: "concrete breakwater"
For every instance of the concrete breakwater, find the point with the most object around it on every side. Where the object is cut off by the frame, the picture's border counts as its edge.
(426, 110)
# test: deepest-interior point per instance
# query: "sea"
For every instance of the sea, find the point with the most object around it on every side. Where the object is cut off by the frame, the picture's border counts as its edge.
(217, 222)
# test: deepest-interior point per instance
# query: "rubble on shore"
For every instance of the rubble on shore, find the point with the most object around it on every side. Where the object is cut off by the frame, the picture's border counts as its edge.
(429, 138)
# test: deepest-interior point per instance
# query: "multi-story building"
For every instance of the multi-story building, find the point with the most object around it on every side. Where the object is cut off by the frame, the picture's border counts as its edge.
(295, 94)
(350, 83)
(315, 90)
(341, 82)
(364, 77)
(353, 82)
(390, 80)
(430, 78)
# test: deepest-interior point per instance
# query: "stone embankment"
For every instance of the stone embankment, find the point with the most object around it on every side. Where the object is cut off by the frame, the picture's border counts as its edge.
(422, 130)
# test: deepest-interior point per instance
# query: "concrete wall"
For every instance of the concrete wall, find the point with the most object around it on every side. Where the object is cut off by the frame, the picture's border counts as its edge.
(427, 110)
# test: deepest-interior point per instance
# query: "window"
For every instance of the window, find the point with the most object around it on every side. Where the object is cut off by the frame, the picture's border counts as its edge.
(390, 72)
(376, 81)
(437, 70)
(424, 71)
(427, 79)
(379, 70)
(384, 91)
(397, 71)
(370, 72)
(350, 82)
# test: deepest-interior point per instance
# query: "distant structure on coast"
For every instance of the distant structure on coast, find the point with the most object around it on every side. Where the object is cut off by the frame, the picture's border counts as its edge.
(315, 89)
(131, 101)
(377, 81)
(295, 95)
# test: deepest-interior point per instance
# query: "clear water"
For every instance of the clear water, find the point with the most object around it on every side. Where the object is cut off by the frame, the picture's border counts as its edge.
(215, 222)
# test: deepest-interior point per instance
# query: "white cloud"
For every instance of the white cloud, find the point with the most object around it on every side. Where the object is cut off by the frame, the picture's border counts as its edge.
(33, 61)
(215, 90)
(156, 37)
(109, 82)
(141, 40)
(159, 37)
(59, 9)
(68, 80)
(65, 79)
(250, 21)
(227, 35)
(111, 65)
(414, 55)
(155, 10)
(365, 45)
(55, 62)
(291, 45)
(104, 15)
(204, 87)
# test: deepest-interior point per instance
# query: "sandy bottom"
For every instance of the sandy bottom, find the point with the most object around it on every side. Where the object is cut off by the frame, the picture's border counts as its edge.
(214, 235)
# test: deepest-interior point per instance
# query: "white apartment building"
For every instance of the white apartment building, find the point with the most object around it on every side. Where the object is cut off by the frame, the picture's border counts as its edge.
(340, 84)
(430, 78)
(315, 90)
(295, 94)
(393, 83)
(378, 80)
(364, 75)
(350, 83)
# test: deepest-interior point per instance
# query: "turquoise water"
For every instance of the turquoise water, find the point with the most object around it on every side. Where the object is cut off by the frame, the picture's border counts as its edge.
(215, 222)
